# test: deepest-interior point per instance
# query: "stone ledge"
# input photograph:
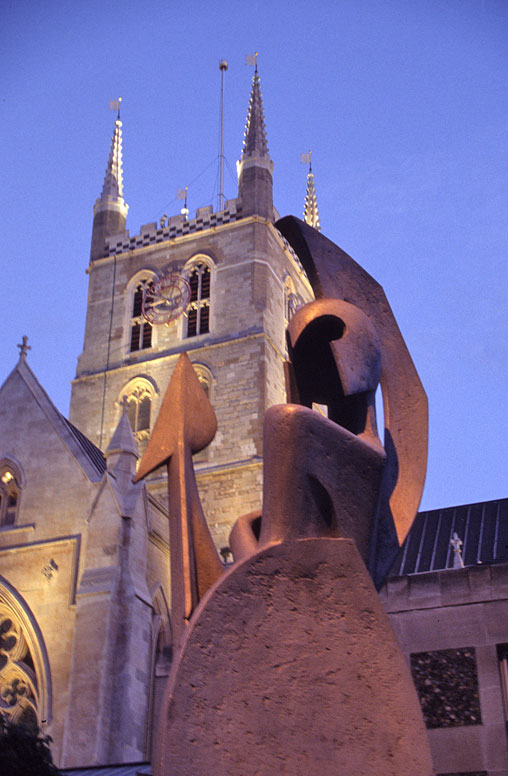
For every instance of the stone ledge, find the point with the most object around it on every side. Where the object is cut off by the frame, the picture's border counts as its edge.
(448, 587)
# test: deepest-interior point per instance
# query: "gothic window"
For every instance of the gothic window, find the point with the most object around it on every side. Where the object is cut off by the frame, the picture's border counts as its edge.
(162, 656)
(198, 311)
(138, 395)
(9, 494)
(141, 330)
(204, 376)
(23, 663)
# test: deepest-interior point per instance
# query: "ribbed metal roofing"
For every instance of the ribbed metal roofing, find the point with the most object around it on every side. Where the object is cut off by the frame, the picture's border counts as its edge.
(482, 527)
(110, 770)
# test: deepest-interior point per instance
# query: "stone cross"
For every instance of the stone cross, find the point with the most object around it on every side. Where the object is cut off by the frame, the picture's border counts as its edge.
(23, 348)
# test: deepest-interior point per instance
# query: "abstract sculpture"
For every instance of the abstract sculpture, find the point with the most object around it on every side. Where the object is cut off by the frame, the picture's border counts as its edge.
(286, 662)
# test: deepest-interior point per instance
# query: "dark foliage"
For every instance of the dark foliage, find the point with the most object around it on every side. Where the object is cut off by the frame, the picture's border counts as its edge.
(24, 751)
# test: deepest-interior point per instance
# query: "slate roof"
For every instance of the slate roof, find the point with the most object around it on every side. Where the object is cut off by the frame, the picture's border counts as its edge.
(482, 527)
(95, 456)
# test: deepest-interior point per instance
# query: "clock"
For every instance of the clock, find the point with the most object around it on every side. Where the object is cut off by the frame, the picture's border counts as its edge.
(166, 299)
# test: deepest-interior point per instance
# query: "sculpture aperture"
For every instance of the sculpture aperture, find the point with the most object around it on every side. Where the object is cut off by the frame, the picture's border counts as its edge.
(286, 662)
(335, 275)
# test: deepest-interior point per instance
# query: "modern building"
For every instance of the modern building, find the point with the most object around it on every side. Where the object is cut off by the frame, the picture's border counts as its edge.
(85, 605)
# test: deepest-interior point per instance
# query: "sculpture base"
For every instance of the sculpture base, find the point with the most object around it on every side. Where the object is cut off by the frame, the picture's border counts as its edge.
(290, 666)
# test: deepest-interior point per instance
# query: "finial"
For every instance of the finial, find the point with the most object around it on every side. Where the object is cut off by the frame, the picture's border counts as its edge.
(310, 211)
(23, 348)
(252, 59)
(456, 545)
(223, 65)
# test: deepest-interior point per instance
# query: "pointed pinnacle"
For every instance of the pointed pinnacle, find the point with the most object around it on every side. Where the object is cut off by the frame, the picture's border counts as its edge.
(185, 416)
(310, 211)
(123, 440)
(255, 144)
(113, 179)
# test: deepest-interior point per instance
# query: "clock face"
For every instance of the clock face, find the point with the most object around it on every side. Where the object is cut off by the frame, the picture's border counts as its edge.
(166, 299)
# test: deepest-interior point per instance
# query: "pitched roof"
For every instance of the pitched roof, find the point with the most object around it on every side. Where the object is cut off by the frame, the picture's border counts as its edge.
(482, 527)
(87, 455)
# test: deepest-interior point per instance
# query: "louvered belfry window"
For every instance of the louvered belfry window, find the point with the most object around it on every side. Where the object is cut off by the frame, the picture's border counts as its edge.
(198, 312)
(138, 411)
(141, 330)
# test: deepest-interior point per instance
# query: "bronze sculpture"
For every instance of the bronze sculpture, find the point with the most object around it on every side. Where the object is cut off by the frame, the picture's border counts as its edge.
(287, 662)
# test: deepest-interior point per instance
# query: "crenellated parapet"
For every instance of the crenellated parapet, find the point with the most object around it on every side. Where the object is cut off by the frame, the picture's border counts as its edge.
(173, 227)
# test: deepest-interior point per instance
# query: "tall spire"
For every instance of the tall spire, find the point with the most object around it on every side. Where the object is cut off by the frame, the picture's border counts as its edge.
(255, 185)
(254, 144)
(110, 210)
(113, 179)
(310, 211)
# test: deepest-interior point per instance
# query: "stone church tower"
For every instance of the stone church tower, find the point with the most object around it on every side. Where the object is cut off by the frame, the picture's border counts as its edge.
(244, 281)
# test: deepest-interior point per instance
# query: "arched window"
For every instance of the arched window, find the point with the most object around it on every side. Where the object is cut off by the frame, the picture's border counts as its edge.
(162, 657)
(24, 669)
(141, 330)
(10, 486)
(138, 394)
(198, 311)
(205, 378)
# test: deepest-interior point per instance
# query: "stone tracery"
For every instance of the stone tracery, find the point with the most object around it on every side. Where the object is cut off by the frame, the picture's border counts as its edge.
(18, 682)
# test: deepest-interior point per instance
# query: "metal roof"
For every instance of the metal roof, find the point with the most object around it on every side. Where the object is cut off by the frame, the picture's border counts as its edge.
(110, 770)
(482, 527)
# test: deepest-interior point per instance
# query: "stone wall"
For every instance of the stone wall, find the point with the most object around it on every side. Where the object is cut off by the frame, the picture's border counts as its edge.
(450, 625)
(243, 352)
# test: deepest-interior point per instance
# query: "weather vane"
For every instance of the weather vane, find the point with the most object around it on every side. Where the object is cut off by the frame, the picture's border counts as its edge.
(252, 59)
(307, 159)
(115, 105)
(182, 194)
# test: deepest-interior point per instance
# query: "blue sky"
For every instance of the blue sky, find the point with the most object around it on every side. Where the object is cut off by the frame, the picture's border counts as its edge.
(405, 107)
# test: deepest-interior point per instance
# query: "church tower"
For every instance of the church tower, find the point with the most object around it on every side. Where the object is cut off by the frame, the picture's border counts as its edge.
(110, 210)
(245, 281)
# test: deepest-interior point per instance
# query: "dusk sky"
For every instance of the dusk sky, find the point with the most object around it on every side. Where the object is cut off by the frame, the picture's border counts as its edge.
(404, 104)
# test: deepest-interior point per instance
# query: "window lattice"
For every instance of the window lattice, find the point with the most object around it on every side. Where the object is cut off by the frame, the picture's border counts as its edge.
(139, 408)
(141, 330)
(9, 496)
(198, 312)
(18, 683)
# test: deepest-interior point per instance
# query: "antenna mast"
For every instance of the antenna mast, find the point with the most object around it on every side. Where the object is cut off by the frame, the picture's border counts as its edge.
(223, 66)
